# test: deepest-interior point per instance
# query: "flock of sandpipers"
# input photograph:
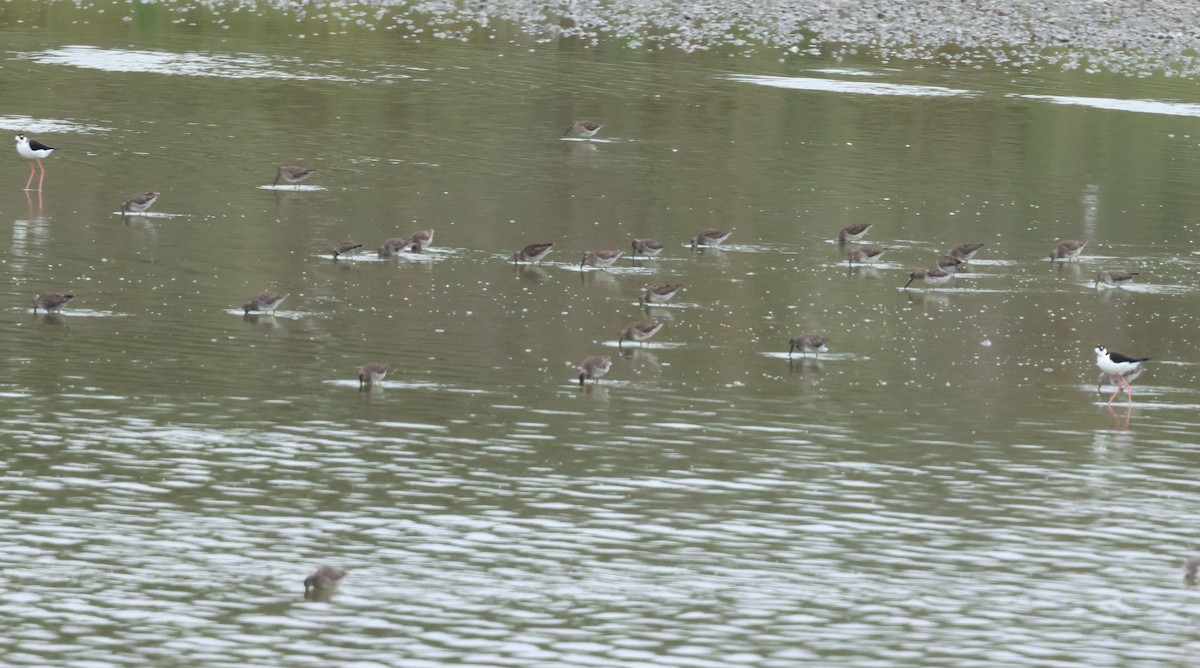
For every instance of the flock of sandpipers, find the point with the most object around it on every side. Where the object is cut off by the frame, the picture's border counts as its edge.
(1115, 367)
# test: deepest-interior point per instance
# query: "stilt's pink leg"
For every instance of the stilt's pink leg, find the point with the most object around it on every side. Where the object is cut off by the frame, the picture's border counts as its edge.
(30, 176)
(1114, 396)
(43, 177)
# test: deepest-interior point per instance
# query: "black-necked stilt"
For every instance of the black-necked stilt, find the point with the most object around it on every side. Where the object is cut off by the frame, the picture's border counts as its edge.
(647, 247)
(808, 343)
(1114, 277)
(138, 202)
(371, 373)
(266, 302)
(532, 253)
(33, 150)
(930, 275)
(1120, 366)
(326, 577)
(292, 174)
(865, 254)
(965, 252)
(583, 129)
(659, 294)
(344, 248)
(600, 258)
(854, 232)
(594, 367)
(947, 262)
(51, 301)
(420, 240)
(709, 238)
(639, 331)
(1067, 249)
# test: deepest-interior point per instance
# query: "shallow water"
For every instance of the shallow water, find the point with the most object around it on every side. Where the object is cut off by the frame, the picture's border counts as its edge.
(946, 486)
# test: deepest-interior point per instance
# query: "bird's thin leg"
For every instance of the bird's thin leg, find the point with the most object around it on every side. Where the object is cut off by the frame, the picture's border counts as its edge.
(43, 177)
(30, 176)
(1114, 396)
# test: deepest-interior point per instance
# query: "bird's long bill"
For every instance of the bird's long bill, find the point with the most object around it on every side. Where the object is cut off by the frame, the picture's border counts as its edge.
(910, 280)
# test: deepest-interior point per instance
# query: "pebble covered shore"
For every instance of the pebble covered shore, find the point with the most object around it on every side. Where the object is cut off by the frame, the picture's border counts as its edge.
(1133, 37)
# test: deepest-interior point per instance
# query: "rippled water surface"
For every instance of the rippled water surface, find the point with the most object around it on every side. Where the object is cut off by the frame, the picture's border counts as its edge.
(945, 486)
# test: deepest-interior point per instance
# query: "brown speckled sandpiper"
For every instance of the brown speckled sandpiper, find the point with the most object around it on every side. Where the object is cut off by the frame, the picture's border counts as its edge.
(420, 240)
(808, 343)
(1068, 249)
(865, 254)
(138, 202)
(532, 253)
(325, 577)
(371, 373)
(639, 331)
(948, 262)
(659, 294)
(647, 247)
(594, 367)
(266, 302)
(1114, 277)
(584, 129)
(292, 174)
(344, 248)
(930, 275)
(51, 301)
(600, 258)
(853, 232)
(965, 252)
(709, 238)
(393, 246)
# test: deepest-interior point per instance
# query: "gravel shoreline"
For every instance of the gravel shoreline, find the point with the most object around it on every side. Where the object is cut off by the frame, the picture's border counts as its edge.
(1132, 37)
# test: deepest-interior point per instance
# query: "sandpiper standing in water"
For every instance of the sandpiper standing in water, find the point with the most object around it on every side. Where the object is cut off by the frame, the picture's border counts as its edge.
(965, 252)
(601, 258)
(345, 248)
(808, 343)
(420, 240)
(51, 302)
(1068, 249)
(932, 276)
(594, 367)
(138, 203)
(1114, 277)
(647, 247)
(709, 238)
(947, 262)
(371, 373)
(583, 129)
(325, 577)
(659, 294)
(854, 232)
(639, 332)
(34, 150)
(293, 174)
(532, 253)
(865, 254)
(266, 302)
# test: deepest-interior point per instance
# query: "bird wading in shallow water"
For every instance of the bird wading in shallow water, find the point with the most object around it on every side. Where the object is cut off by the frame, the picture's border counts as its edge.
(1119, 367)
(138, 203)
(51, 302)
(266, 302)
(854, 232)
(371, 373)
(33, 150)
(532, 253)
(1114, 277)
(808, 343)
(1068, 249)
(292, 174)
(325, 577)
(594, 367)
(583, 129)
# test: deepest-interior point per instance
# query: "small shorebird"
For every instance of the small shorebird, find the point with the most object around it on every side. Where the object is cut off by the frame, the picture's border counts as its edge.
(1120, 366)
(584, 129)
(326, 577)
(948, 262)
(292, 174)
(865, 254)
(420, 240)
(659, 294)
(808, 343)
(854, 232)
(594, 367)
(1190, 567)
(51, 301)
(647, 247)
(931, 275)
(267, 302)
(639, 332)
(1067, 250)
(532, 253)
(371, 373)
(33, 150)
(965, 252)
(344, 248)
(393, 246)
(709, 238)
(1114, 277)
(600, 258)
(138, 202)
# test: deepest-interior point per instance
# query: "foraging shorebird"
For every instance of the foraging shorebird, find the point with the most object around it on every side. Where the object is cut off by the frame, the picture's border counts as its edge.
(344, 248)
(51, 302)
(325, 577)
(1114, 277)
(854, 232)
(709, 238)
(420, 240)
(393, 246)
(371, 373)
(583, 129)
(33, 150)
(1119, 366)
(659, 294)
(965, 252)
(594, 367)
(138, 202)
(639, 332)
(949, 262)
(647, 247)
(600, 258)
(1068, 249)
(930, 275)
(532, 253)
(266, 302)
(865, 254)
(808, 343)
(293, 174)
